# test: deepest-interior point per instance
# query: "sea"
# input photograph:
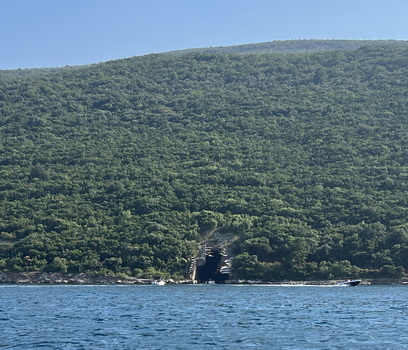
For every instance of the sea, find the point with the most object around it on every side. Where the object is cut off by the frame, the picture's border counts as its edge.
(203, 317)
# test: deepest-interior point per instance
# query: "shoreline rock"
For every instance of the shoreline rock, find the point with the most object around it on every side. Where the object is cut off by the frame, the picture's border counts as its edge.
(66, 278)
(84, 279)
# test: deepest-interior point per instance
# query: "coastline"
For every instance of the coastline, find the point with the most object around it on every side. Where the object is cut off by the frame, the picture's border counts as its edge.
(66, 278)
(90, 279)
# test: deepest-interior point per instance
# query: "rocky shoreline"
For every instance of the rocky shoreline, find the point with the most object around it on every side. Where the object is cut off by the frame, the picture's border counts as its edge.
(82, 278)
(68, 278)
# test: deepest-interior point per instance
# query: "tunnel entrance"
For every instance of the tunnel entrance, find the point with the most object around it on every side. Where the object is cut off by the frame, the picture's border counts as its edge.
(213, 267)
(213, 262)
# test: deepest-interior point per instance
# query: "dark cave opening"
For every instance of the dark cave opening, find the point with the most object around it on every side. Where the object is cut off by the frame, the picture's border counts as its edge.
(210, 270)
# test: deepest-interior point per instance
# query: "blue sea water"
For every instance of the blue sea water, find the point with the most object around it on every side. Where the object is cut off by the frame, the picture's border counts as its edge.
(203, 317)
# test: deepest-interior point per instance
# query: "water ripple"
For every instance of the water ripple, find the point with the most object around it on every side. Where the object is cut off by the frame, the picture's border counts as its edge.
(203, 317)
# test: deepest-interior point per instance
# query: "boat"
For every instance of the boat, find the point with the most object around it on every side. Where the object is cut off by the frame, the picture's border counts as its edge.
(159, 283)
(350, 283)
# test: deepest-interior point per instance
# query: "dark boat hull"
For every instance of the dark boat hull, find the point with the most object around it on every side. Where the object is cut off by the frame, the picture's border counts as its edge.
(350, 283)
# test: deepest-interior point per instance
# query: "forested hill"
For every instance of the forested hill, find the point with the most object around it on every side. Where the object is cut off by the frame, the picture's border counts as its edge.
(122, 167)
(295, 46)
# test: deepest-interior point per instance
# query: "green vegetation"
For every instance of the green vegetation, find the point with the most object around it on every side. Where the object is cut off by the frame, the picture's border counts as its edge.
(295, 46)
(121, 167)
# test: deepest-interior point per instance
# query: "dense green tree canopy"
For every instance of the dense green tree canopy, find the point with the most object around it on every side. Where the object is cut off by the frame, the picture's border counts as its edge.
(122, 167)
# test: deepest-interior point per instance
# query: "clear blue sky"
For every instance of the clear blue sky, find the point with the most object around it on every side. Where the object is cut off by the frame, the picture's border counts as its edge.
(50, 33)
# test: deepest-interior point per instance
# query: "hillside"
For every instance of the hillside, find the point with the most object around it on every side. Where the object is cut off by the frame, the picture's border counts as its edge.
(122, 167)
(294, 46)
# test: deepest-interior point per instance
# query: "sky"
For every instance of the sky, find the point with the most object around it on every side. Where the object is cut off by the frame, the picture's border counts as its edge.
(55, 33)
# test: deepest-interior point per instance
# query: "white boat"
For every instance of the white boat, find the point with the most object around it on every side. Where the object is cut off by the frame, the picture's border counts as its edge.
(350, 283)
(159, 283)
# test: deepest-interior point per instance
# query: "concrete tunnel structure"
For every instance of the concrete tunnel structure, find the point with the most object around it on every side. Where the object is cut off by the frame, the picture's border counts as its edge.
(213, 265)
